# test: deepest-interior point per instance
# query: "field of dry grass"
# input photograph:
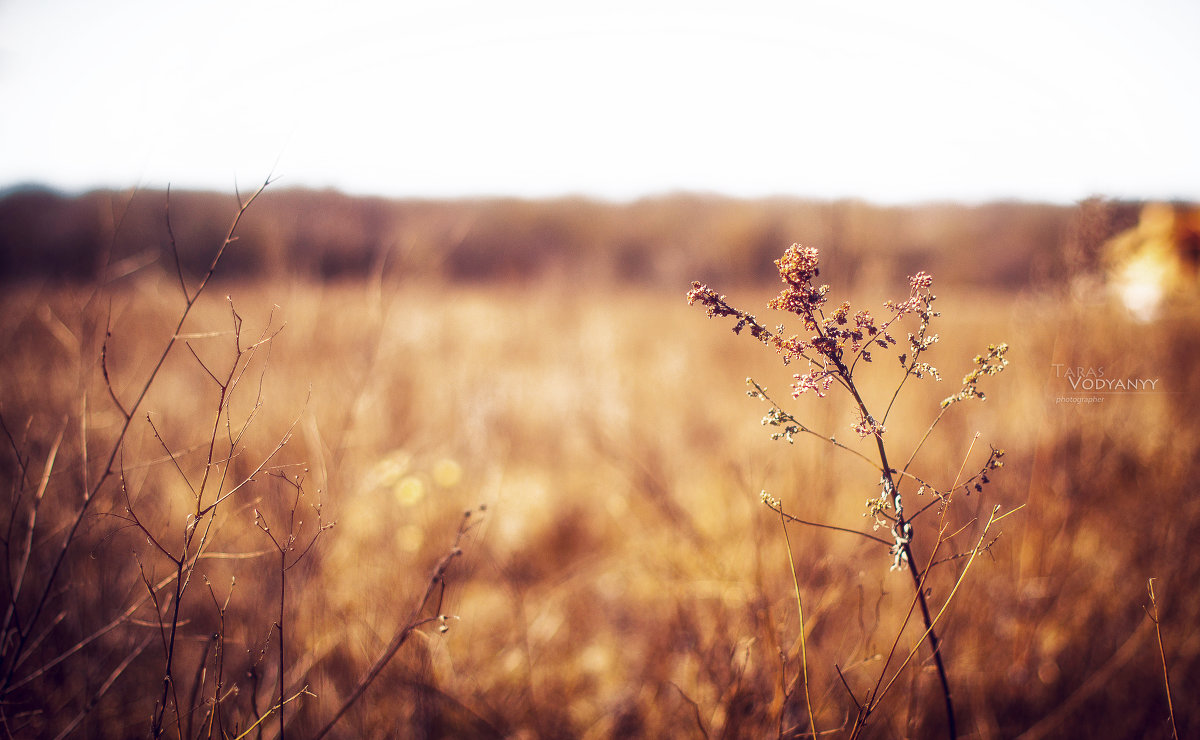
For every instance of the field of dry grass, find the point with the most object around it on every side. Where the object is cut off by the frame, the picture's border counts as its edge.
(623, 578)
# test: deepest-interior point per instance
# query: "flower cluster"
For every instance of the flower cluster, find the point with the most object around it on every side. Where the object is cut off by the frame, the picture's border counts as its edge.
(837, 339)
(918, 285)
(815, 380)
(987, 364)
(835, 333)
(715, 306)
(797, 268)
(840, 337)
(993, 463)
(866, 426)
(920, 302)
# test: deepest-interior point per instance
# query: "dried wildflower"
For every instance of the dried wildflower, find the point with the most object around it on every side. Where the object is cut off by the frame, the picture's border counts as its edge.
(798, 265)
(817, 381)
(788, 425)
(707, 296)
(993, 462)
(833, 342)
(866, 426)
(922, 342)
(837, 341)
(797, 268)
(991, 363)
(839, 316)
(921, 369)
(789, 348)
(715, 305)
(918, 299)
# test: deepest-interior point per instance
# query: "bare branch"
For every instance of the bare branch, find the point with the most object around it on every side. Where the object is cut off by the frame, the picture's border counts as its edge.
(776, 507)
(170, 455)
(30, 527)
(202, 365)
(107, 380)
(1162, 655)
(175, 249)
(436, 583)
(104, 687)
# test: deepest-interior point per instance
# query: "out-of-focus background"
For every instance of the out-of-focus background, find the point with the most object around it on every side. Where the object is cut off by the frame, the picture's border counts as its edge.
(466, 288)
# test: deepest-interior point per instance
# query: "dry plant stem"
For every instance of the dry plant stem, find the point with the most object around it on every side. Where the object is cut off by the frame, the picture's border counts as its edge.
(788, 517)
(783, 417)
(27, 546)
(214, 714)
(436, 584)
(941, 538)
(186, 560)
(198, 681)
(979, 547)
(832, 351)
(169, 687)
(284, 546)
(812, 723)
(1162, 656)
(907, 556)
(923, 439)
(121, 619)
(929, 629)
(14, 654)
(858, 706)
(875, 695)
(104, 687)
(124, 617)
(695, 709)
(282, 635)
(278, 707)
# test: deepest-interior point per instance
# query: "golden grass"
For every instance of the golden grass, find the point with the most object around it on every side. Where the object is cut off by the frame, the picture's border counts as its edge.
(625, 579)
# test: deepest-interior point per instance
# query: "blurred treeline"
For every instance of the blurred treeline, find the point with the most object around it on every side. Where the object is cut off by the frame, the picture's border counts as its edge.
(665, 240)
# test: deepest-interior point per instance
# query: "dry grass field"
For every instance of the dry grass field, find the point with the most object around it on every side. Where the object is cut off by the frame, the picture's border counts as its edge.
(618, 575)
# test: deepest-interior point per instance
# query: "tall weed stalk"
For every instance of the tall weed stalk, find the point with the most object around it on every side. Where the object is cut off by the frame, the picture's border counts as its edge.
(836, 346)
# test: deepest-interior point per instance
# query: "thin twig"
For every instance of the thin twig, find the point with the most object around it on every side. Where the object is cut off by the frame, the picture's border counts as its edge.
(436, 583)
(27, 547)
(907, 556)
(170, 456)
(174, 246)
(21, 643)
(797, 520)
(104, 687)
(812, 723)
(929, 629)
(108, 384)
(849, 691)
(1162, 656)
(278, 707)
(695, 709)
(125, 616)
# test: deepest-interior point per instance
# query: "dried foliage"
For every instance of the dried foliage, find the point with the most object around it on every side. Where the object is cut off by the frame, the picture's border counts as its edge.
(625, 579)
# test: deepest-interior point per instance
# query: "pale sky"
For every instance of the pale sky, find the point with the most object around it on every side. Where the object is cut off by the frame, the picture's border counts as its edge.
(889, 101)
